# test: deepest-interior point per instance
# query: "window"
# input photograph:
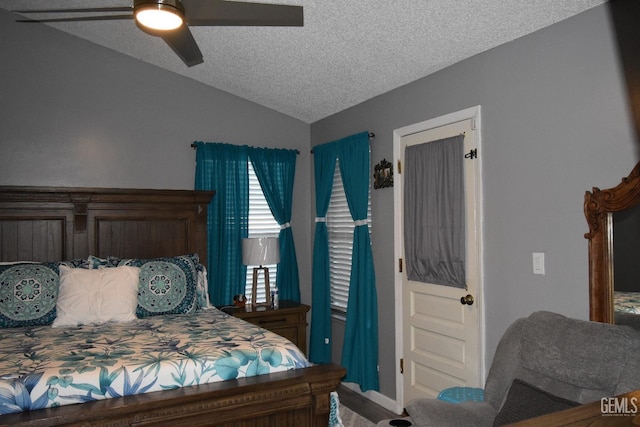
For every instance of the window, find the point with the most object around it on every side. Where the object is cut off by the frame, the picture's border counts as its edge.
(340, 228)
(261, 224)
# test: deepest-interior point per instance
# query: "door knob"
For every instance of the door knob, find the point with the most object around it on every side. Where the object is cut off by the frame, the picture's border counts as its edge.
(467, 300)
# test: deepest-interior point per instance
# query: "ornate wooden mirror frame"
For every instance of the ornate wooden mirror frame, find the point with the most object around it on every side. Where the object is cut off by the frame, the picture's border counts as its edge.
(599, 207)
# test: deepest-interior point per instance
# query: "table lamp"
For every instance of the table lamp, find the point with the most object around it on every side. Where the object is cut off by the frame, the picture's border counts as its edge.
(260, 251)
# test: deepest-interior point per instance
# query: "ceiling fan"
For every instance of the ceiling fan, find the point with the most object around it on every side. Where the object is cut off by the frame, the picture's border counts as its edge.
(171, 19)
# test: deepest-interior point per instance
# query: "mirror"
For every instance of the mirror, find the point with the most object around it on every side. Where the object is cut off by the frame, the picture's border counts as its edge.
(613, 216)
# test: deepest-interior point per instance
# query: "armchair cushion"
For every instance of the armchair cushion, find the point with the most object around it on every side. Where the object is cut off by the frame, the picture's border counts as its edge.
(433, 412)
(527, 401)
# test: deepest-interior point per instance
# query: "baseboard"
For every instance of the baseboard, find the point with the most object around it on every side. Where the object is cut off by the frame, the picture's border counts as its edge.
(376, 397)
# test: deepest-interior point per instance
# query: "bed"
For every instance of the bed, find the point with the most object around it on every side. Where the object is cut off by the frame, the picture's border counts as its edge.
(259, 382)
(626, 308)
(626, 302)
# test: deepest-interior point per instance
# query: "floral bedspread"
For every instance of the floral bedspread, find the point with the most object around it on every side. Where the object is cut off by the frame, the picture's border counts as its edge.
(45, 367)
(626, 302)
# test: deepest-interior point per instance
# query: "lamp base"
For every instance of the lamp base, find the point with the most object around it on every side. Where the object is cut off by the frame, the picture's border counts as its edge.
(267, 289)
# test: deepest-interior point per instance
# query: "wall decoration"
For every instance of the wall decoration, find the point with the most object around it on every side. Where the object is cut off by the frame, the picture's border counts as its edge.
(383, 175)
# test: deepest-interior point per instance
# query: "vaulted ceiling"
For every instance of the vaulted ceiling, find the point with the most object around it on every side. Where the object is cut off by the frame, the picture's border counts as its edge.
(348, 51)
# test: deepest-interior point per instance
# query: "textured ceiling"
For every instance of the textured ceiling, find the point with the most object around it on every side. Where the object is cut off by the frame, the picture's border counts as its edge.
(347, 52)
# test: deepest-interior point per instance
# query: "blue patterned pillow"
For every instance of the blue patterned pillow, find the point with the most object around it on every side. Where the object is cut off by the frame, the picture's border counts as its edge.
(76, 263)
(167, 285)
(94, 262)
(28, 294)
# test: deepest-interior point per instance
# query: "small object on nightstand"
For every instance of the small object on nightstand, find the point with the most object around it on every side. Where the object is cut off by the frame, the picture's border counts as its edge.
(239, 300)
(275, 297)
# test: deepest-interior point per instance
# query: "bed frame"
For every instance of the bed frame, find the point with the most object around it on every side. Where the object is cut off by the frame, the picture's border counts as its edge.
(55, 224)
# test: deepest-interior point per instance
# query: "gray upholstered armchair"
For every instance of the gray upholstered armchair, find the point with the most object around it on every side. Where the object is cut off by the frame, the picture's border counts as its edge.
(543, 363)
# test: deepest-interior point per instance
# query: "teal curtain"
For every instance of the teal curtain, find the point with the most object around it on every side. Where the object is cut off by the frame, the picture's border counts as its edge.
(276, 169)
(324, 158)
(224, 168)
(360, 347)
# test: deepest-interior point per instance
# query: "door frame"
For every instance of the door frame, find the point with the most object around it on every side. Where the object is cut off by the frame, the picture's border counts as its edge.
(473, 113)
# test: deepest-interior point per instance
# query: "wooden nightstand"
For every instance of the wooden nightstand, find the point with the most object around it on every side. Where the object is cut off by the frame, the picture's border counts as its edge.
(288, 320)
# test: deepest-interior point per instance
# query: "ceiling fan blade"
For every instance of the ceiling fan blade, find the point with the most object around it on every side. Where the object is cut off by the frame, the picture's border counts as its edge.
(79, 10)
(183, 44)
(232, 13)
(79, 18)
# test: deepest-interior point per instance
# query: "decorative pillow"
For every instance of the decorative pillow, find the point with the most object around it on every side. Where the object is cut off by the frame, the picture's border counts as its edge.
(526, 401)
(76, 263)
(96, 296)
(167, 285)
(95, 262)
(28, 294)
(73, 263)
(202, 288)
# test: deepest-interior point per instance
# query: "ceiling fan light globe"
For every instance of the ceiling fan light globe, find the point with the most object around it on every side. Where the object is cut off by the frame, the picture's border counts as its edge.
(159, 17)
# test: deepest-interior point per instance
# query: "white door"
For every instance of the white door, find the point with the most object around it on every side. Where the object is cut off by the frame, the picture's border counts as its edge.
(441, 335)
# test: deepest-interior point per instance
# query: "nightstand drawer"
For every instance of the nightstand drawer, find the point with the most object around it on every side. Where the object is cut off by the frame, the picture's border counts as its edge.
(275, 320)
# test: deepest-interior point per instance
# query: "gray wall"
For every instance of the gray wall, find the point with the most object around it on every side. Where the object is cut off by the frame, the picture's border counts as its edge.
(76, 114)
(555, 123)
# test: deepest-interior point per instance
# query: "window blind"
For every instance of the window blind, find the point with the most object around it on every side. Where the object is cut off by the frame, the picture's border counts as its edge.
(261, 224)
(340, 228)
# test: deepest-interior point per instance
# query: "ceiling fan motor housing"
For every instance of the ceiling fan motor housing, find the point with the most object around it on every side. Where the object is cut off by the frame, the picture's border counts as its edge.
(175, 4)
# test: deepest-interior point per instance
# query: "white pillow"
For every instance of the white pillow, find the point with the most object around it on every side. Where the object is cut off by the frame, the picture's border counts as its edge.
(202, 288)
(96, 296)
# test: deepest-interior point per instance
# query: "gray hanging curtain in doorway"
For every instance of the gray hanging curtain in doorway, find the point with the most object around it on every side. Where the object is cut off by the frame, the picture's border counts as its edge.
(434, 212)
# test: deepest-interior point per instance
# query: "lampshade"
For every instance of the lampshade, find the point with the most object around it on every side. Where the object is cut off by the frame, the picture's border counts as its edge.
(260, 251)
(159, 14)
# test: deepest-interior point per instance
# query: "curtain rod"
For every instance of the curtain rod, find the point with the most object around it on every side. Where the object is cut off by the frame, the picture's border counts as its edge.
(194, 146)
(371, 135)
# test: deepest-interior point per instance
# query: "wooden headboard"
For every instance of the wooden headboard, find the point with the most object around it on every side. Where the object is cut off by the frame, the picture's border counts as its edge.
(57, 223)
